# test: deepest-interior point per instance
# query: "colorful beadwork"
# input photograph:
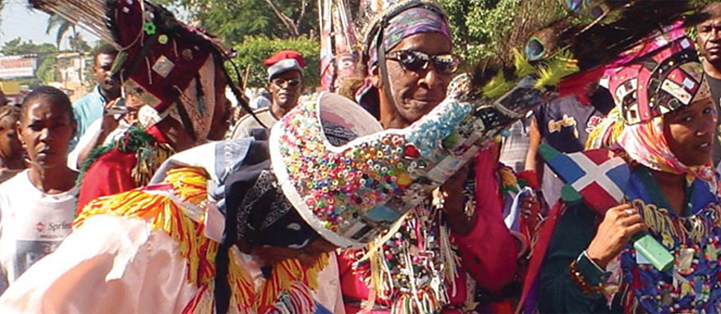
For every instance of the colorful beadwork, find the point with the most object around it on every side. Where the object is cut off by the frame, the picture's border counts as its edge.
(692, 285)
(417, 262)
(376, 181)
(347, 184)
(352, 192)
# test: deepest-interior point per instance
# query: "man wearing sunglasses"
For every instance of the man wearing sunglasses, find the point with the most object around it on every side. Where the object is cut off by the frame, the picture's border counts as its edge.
(285, 83)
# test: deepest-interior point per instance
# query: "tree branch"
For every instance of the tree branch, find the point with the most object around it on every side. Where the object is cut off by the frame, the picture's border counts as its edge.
(288, 22)
(303, 4)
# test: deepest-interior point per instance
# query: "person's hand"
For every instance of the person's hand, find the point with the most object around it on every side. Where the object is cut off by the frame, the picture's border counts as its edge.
(109, 123)
(530, 209)
(529, 206)
(619, 224)
(452, 191)
(454, 203)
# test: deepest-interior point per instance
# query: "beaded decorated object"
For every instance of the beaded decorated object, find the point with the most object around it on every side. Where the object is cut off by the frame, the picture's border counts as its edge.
(412, 270)
(352, 192)
(158, 56)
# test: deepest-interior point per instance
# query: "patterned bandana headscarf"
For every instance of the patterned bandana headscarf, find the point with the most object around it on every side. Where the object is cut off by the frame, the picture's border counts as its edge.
(406, 24)
(646, 143)
(410, 22)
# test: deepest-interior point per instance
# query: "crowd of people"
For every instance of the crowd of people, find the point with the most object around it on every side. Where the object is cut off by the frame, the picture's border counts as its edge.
(151, 195)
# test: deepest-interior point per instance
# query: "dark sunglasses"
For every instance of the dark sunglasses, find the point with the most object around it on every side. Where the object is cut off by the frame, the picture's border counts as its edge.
(416, 61)
(282, 83)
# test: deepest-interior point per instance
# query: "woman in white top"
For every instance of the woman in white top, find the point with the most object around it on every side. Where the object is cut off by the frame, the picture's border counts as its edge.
(37, 206)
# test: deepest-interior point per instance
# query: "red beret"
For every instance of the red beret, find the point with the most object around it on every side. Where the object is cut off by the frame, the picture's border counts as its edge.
(283, 61)
(285, 54)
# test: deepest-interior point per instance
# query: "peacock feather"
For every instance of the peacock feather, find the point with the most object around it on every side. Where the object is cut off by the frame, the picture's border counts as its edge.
(592, 35)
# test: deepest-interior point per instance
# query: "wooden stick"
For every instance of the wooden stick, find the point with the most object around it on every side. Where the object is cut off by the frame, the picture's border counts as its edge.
(245, 77)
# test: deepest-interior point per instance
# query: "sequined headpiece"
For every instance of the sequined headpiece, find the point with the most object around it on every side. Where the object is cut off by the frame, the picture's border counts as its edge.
(670, 77)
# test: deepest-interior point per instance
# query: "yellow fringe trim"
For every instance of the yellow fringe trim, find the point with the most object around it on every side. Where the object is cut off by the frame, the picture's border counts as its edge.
(696, 227)
(190, 185)
(508, 177)
(606, 133)
(286, 274)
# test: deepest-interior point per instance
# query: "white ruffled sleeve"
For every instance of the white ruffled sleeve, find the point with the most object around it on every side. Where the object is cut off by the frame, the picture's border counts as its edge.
(109, 265)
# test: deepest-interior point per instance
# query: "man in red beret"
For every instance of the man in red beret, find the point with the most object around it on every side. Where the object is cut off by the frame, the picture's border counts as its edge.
(285, 82)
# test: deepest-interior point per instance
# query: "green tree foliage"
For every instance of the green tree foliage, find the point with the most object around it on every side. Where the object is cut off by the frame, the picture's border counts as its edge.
(77, 43)
(18, 46)
(255, 49)
(62, 25)
(46, 70)
(484, 28)
(233, 20)
(477, 25)
(46, 53)
(703, 2)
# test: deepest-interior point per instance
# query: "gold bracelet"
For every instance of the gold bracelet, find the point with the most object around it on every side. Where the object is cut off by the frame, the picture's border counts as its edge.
(580, 281)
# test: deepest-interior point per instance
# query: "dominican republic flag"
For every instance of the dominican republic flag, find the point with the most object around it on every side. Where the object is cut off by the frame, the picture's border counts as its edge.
(595, 177)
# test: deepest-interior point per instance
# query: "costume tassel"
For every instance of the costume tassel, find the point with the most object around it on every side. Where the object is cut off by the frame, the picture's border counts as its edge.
(448, 259)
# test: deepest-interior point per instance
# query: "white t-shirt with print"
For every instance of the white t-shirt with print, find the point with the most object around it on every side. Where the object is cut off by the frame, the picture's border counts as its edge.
(32, 224)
